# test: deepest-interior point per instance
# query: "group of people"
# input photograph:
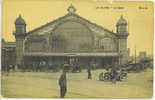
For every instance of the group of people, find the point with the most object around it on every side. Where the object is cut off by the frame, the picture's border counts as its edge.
(37, 66)
(8, 67)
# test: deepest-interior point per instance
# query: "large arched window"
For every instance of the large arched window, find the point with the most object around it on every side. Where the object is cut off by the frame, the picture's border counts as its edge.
(71, 36)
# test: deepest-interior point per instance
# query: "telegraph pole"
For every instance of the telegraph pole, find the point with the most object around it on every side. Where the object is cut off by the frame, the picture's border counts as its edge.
(135, 54)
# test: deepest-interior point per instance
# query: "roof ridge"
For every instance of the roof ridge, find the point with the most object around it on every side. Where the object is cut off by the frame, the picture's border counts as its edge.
(51, 22)
(95, 24)
(68, 14)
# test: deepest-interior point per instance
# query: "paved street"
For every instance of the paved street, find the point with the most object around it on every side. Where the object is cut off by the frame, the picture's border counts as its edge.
(45, 85)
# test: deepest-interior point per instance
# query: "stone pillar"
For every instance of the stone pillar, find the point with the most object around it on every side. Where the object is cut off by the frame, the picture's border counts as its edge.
(123, 51)
(19, 50)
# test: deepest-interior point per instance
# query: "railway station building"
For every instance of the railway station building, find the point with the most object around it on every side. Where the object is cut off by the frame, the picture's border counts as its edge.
(72, 39)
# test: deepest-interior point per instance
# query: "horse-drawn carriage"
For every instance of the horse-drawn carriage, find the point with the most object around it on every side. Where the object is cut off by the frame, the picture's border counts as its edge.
(142, 65)
(113, 75)
(119, 72)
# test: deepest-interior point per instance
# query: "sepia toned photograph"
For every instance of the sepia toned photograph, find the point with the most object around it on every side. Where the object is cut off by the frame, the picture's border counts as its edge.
(77, 49)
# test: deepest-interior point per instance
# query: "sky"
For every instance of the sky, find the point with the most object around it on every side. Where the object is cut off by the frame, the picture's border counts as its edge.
(139, 16)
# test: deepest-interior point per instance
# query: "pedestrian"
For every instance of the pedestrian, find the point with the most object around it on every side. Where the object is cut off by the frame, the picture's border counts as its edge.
(63, 84)
(114, 74)
(7, 69)
(89, 73)
(13, 67)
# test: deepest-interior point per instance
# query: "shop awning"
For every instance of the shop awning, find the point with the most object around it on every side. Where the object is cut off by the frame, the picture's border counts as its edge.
(110, 54)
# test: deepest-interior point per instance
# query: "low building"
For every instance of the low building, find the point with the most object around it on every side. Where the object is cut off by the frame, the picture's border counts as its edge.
(8, 53)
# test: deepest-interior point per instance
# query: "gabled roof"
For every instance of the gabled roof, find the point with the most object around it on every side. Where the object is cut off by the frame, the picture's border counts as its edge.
(52, 22)
(93, 26)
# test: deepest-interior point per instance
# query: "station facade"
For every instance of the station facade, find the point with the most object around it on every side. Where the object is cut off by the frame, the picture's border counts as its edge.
(72, 39)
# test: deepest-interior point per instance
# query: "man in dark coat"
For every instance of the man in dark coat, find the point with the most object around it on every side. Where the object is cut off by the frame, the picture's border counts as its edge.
(13, 67)
(89, 73)
(114, 74)
(7, 69)
(63, 84)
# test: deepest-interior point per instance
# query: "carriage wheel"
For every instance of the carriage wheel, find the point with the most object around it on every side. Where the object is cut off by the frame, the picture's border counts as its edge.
(123, 76)
(107, 77)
